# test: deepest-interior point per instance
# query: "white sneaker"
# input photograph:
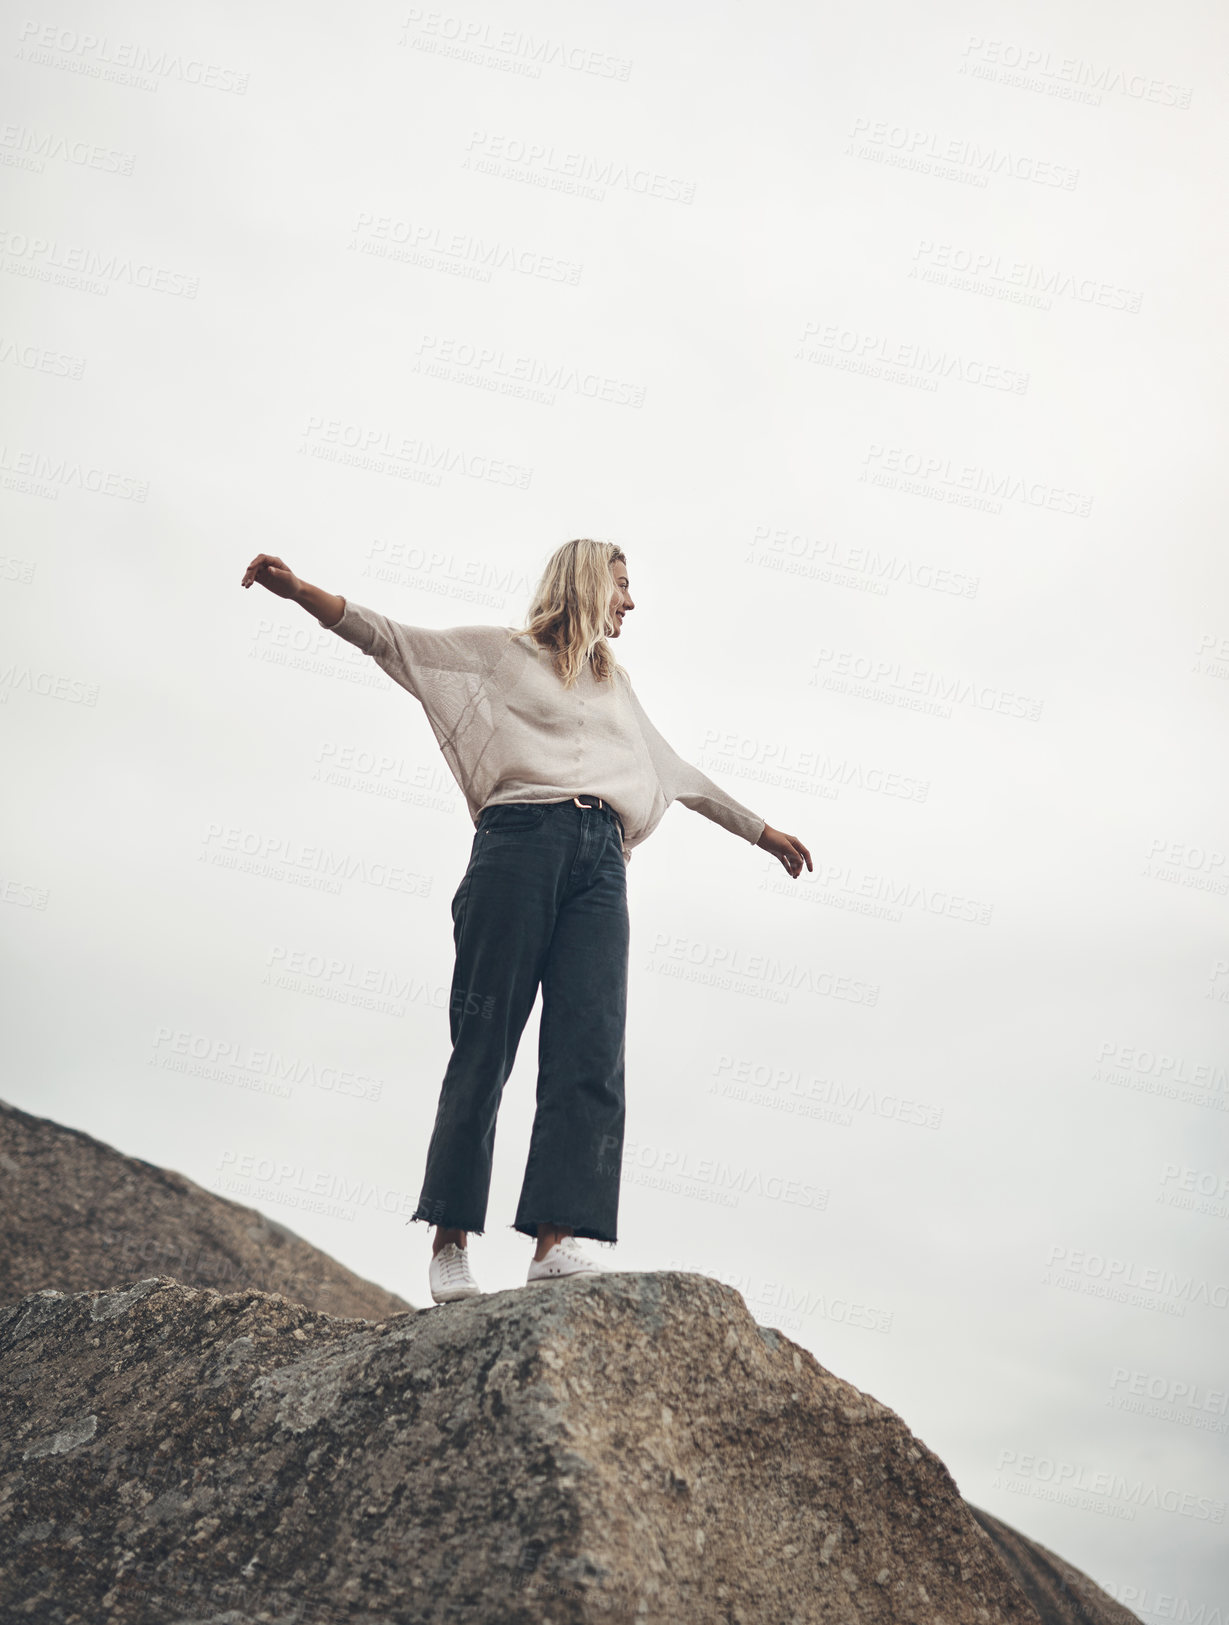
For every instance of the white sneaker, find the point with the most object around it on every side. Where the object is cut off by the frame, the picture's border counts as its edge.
(566, 1257)
(450, 1275)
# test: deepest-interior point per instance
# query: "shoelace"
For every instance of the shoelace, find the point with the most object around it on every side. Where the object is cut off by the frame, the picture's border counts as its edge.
(455, 1266)
(572, 1249)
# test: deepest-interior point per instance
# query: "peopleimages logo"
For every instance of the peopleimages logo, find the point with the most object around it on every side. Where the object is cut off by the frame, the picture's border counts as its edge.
(102, 56)
(1197, 1190)
(739, 1179)
(284, 1180)
(1169, 1395)
(1201, 1181)
(781, 763)
(873, 677)
(493, 153)
(27, 147)
(832, 558)
(1070, 78)
(49, 685)
(384, 451)
(60, 472)
(437, 569)
(486, 44)
(46, 259)
(736, 971)
(926, 147)
(846, 349)
(926, 473)
(281, 857)
(975, 270)
(740, 1079)
(230, 1060)
(1072, 1476)
(1157, 1072)
(457, 253)
(1121, 1276)
(879, 896)
(488, 366)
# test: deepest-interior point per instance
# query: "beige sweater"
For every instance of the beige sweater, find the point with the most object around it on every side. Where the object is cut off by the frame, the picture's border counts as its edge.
(510, 731)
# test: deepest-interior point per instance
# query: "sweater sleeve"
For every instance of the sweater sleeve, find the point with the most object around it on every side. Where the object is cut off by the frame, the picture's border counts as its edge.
(421, 658)
(680, 781)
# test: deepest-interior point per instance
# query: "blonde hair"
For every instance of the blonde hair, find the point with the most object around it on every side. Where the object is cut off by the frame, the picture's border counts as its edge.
(570, 611)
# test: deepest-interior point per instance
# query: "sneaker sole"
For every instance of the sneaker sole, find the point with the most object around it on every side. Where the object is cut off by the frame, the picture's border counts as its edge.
(545, 1280)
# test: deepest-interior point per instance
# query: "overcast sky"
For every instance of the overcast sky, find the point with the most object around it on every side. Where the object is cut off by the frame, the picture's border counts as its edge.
(888, 343)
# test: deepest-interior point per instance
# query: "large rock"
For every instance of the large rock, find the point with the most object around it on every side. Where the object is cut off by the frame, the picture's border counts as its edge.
(76, 1214)
(625, 1447)
(1059, 1592)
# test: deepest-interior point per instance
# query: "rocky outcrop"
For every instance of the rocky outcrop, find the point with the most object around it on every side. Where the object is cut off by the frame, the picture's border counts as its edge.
(301, 1447)
(625, 1447)
(77, 1214)
(1060, 1594)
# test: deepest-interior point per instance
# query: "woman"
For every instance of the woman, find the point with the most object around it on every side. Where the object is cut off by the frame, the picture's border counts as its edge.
(563, 775)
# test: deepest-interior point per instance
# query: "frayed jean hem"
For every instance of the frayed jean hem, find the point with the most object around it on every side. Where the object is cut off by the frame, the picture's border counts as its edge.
(443, 1224)
(581, 1232)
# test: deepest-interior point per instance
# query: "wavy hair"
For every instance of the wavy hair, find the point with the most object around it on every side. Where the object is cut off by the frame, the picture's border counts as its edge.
(570, 612)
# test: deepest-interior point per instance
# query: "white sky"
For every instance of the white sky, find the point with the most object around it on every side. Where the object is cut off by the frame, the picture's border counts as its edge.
(310, 193)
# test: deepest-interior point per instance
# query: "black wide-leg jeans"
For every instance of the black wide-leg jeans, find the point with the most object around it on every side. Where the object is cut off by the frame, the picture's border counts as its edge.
(543, 902)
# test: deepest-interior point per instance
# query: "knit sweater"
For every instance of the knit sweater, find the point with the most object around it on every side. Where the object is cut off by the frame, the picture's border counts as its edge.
(510, 731)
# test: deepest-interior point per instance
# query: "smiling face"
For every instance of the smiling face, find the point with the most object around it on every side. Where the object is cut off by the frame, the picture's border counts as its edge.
(621, 599)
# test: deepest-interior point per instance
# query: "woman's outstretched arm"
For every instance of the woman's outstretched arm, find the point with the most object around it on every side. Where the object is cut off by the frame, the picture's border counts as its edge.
(445, 668)
(681, 781)
(271, 572)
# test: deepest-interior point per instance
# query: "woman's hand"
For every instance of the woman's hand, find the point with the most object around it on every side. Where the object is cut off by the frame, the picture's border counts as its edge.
(788, 848)
(269, 571)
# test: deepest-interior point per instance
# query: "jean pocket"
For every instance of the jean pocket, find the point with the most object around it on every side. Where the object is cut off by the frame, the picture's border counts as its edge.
(458, 898)
(511, 817)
